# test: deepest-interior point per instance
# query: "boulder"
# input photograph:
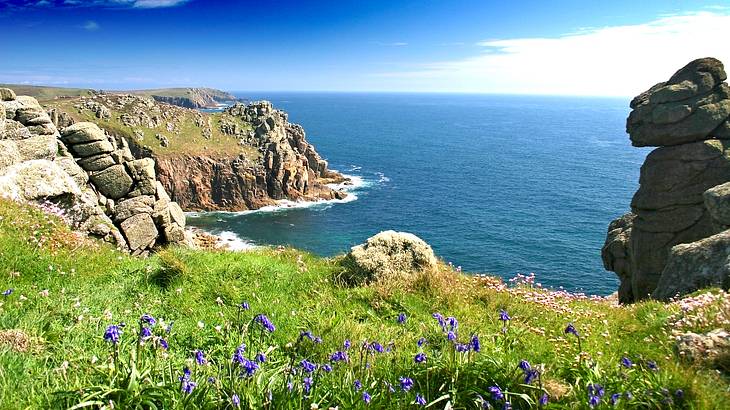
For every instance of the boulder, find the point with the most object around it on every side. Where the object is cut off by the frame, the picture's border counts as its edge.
(697, 265)
(82, 133)
(140, 231)
(92, 148)
(38, 147)
(717, 202)
(36, 179)
(96, 162)
(113, 182)
(390, 256)
(6, 94)
(702, 347)
(129, 207)
(73, 169)
(616, 254)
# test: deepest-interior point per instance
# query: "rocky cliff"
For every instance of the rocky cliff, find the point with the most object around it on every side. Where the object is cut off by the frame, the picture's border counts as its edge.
(190, 97)
(91, 176)
(674, 240)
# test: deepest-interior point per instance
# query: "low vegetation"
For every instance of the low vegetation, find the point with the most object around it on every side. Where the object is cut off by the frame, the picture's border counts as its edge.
(84, 326)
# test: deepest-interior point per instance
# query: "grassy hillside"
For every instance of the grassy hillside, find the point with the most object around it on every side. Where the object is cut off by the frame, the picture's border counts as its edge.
(66, 292)
(47, 93)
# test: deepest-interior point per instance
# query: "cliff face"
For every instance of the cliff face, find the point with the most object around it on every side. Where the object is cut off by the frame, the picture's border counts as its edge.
(190, 97)
(288, 168)
(688, 118)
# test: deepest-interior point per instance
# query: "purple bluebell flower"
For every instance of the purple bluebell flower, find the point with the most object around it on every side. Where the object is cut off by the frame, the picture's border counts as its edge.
(453, 323)
(504, 316)
(188, 386)
(525, 365)
(366, 397)
(420, 400)
(626, 362)
(543, 401)
(308, 366)
(462, 348)
(406, 383)
(419, 358)
(496, 393)
(357, 384)
(307, 383)
(112, 334)
(326, 368)
(440, 318)
(530, 376)
(260, 357)
(402, 318)
(377, 347)
(483, 403)
(422, 341)
(451, 336)
(679, 394)
(507, 406)
(8, 292)
(476, 345)
(238, 354)
(249, 367)
(289, 385)
(390, 387)
(614, 398)
(147, 318)
(235, 400)
(186, 374)
(200, 357)
(317, 340)
(594, 401)
(265, 322)
(164, 344)
(211, 380)
(338, 356)
(347, 344)
(571, 329)
(168, 329)
(652, 365)
(596, 390)
(145, 333)
(628, 395)
(244, 305)
(306, 333)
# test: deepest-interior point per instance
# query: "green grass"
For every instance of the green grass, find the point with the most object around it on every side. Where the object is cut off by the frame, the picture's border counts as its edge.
(46, 93)
(90, 286)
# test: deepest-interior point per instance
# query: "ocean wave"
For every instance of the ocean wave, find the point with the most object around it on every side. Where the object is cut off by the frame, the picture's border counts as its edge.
(229, 240)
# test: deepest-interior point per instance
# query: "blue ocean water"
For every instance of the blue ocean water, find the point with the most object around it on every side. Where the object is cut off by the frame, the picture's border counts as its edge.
(496, 184)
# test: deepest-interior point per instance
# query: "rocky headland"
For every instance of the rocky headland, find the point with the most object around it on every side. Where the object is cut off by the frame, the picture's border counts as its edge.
(190, 97)
(676, 240)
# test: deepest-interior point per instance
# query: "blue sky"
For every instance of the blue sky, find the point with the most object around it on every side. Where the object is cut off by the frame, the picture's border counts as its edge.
(533, 47)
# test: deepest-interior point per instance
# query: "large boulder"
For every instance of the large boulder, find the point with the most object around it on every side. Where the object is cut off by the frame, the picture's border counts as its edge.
(113, 182)
(6, 94)
(140, 231)
(697, 265)
(82, 133)
(390, 256)
(686, 117)
(36, 180)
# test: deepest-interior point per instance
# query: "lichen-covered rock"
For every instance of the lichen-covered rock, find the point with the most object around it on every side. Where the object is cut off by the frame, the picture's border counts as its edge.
(389, 256)
(698, 347)
(82, 133)
(717, 202)
(9, 154)
(129, 207)
(92, 148)
(616, 254)
(140, 231)
(696, 265)
(97, 162)
(38, 147)
(113, 182)
(6, 94)
(35, 180)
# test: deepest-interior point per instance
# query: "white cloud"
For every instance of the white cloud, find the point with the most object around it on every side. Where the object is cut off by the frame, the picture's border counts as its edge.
(153, 4)
(617, 61)
(91, 26)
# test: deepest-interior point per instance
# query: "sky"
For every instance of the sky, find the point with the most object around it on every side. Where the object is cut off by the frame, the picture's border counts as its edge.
(558, 47)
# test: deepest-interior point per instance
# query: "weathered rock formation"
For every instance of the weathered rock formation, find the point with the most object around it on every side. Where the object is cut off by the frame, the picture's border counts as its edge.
(190, 97)
(688, 118)
(103, 190)
(287, 167)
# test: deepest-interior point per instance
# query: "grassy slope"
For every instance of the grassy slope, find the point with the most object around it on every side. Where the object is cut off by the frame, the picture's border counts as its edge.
(188, 141)
(46, 93)
(91, 286)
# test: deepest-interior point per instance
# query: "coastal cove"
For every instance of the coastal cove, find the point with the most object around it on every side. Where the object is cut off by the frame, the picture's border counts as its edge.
(496, 184)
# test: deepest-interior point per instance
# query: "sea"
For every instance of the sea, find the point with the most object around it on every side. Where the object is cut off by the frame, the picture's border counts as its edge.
(496, 184)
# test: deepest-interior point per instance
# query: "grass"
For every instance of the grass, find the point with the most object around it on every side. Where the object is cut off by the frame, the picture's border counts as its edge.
(67, 290)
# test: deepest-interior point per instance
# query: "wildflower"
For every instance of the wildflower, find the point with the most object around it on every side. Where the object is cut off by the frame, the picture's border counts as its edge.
(406, 383)
(366, 397)
(453, 323)
(504, 316)
(440, 318)
(594, 401)
(530, 376)
(112, 334)
(462, 348)
(402, 318)
(357, 384)
(524, 365)
(163, 344)
(679, 394)
(8, 292)
(507, 406)
(249, 367)
(571, 329)
(200, 357)
(596, 390)
(451, 336)
(265, 322)
(475, 344)
(43, 293)
(626, 362)
(420, 400)
(543, 400)
(377, 347)
(211, 380)
(145, 334)
(496, 393)
(420, 358)
(186, 374)
(235, 400)
(326, 368)
(238, 354)
(168, 329)
(652, 365)
(308, 334)
(201, 325)
(188, 386)
(308, 367)
(422, 341)
(347, 344)
(307, 382)
(614, 398)
(260, 357)
(146, 318)
(317, 340)
(244, 306)
(339, 356)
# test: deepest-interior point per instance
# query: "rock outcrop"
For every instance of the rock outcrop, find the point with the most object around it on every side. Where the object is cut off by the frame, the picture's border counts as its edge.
(190, 97)
(287, 167)
(688, 118)
(93, 177)
(389, 256)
